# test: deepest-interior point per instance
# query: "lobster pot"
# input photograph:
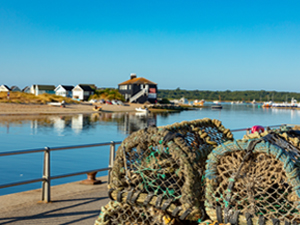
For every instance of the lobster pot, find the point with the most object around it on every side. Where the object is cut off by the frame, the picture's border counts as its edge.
(167, 163)
(115, 213)
(155, 163)
(203, 134)
(290, 134)
(254, 182)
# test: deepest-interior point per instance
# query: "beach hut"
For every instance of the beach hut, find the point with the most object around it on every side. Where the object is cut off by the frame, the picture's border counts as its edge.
(82, 91)
(4, 88)
(64, 90)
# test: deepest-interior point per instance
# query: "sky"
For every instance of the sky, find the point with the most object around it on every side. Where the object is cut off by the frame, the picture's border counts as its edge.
(193, 45)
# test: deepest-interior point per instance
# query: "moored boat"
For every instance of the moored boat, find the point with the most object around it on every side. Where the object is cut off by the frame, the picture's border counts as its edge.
(142, 110)
(267, 104)
(216, 106)
(199, 103)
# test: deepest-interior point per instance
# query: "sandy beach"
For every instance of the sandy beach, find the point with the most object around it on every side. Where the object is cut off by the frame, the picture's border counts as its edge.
(35, 109)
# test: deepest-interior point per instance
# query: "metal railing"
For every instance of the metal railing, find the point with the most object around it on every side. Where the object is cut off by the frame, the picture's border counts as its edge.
(46, 178)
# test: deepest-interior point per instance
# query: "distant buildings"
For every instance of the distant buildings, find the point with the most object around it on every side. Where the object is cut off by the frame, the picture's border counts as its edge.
(4, 88)
(82, 91)
(64, 90)
(15, 89)
(138, 90)
(38, 89)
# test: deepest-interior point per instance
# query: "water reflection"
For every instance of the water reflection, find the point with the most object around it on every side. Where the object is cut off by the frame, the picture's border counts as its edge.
(126, 122)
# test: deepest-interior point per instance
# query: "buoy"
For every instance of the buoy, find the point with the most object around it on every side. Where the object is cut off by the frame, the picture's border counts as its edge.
(257, 128)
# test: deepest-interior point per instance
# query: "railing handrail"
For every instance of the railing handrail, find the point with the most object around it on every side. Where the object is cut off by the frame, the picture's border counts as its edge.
(247, 129)
(46, 178)
(19, 152)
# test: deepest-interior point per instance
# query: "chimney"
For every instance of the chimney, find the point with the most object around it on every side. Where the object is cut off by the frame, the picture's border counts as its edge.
(132, 76)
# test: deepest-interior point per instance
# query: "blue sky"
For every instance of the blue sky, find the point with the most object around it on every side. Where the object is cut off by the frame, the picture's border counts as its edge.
(204, 45)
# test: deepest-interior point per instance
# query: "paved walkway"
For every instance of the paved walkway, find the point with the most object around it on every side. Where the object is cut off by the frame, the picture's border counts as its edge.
(71, 203)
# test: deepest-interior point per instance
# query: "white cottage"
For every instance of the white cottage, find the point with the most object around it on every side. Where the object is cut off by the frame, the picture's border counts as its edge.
(4, 88)
(82, 92)
(41, 89)
(64, 90)
(15, 88)
(26, 89)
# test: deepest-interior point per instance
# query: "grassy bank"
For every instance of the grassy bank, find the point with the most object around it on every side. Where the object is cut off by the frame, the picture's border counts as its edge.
(26, 98)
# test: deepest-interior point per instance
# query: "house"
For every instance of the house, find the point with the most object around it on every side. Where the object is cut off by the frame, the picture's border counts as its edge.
(15, 88)
(4, 88)
(41, 89)
(83, 91)
(26, 89)
(138, 90)
(64, 90)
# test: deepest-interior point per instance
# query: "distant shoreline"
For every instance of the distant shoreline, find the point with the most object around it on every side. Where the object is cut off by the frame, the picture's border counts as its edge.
(7, 109)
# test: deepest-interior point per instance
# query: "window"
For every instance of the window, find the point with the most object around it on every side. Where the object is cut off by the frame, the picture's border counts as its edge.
(123, 87)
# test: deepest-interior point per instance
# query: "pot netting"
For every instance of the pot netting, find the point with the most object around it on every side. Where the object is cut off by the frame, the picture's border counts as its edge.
(290, 134)
(254, 181)
(203, 134)
(115, 213)
(167, 164)
(154, 163)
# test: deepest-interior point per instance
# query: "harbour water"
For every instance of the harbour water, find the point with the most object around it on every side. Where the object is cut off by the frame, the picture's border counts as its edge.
(29, 132)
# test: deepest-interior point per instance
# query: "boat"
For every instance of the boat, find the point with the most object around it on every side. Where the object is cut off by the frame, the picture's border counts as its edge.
(217, 104)
(142, 110)
(60, 104)
(97, 108)
(199, 103)
(267, 104)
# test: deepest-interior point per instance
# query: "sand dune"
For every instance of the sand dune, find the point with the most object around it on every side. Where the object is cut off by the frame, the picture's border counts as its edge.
(28, 109)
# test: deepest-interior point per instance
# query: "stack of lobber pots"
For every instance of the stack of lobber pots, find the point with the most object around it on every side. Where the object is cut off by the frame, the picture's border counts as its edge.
(158, 174)
(255, 180)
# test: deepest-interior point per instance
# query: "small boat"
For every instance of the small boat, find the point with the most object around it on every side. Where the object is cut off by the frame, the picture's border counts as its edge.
(216, 106)
(267, 104)
(60, 104)
(142, 110)
(97, 108)
(199, 103)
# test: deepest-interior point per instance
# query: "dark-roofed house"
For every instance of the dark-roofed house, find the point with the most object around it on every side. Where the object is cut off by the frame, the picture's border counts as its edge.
(26, 89)
(83, 91)
(64, 90)
(15, 88)
(138, 90)
(4, 88)
(38, 89)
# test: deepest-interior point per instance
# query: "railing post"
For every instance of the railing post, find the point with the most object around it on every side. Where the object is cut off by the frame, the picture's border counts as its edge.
(46, 197)
(111, 159)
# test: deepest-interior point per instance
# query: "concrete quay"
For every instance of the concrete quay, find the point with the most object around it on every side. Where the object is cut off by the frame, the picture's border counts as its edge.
(71, 203)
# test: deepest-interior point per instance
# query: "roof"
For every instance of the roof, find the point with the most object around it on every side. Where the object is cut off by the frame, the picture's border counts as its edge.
(13, 87)
(86, 87)
(138, 80)
(26, 88)
(5, 86)
(46, 87)
(66, 87)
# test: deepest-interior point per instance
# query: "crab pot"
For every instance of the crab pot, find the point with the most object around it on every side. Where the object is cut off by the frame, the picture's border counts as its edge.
(167, 164)
(147, 166)
(254, 182)
(115, 213)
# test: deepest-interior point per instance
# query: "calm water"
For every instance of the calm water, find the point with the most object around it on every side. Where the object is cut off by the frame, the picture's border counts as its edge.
(19, 133)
